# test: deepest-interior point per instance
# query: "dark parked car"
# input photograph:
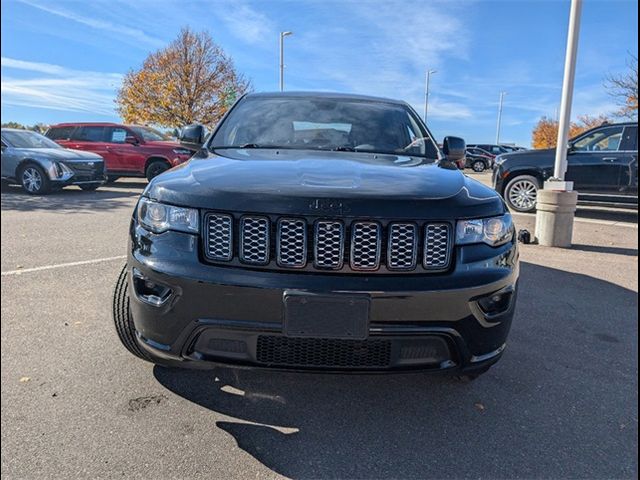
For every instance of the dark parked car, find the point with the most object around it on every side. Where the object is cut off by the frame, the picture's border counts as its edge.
(492, 149)
(602, 163)
(478, 160)
(40, 165)
(320, 231)
(128, 150)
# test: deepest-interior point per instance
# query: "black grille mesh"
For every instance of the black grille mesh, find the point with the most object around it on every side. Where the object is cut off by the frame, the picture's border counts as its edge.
(403, 247)
(219, 237)
(292, 242)
(365, 246)
(323, 352)
(254, 240)
(436, 246)
(329, 248)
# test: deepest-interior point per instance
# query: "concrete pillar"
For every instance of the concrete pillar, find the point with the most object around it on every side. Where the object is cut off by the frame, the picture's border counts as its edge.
(554, 217)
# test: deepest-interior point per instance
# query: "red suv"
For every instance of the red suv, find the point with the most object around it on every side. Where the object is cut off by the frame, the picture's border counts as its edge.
(128, 150)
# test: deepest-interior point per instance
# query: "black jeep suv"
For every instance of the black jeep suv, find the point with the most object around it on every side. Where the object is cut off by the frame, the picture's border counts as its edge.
(320, 231)
(602, 163)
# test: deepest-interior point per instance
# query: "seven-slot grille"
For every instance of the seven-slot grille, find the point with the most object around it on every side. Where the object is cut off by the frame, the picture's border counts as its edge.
(327, 244)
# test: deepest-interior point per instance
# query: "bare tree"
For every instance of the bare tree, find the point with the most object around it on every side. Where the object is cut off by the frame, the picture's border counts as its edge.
(624, 88)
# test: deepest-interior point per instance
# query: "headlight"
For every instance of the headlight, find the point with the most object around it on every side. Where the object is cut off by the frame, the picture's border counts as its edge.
(493, 231)
(60, 169)
(182, 151)
(158, 217)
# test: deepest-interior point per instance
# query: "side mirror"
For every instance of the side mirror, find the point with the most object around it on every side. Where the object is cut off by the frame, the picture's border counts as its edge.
(131, 140)
(454, 148)
(193, 135)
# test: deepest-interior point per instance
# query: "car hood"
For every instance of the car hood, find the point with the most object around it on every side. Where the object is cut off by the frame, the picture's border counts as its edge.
(324, 183)
(61, 154)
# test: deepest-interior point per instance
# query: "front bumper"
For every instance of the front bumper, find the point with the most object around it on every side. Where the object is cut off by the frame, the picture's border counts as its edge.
(76, 175)
(220, 315)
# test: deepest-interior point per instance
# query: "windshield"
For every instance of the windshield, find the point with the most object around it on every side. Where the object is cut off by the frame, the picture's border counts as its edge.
(148, 134)
(323, 124)
(27, 139)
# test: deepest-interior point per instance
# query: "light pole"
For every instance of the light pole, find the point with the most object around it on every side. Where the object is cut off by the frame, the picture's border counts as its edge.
(426, 94)
(282, 35)
(556, 203)
(502, 94)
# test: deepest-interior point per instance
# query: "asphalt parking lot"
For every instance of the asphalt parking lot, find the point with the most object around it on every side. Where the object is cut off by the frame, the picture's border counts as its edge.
(562, 403)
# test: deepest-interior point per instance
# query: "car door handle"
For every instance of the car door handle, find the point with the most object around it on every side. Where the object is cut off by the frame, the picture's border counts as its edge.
(610, 159)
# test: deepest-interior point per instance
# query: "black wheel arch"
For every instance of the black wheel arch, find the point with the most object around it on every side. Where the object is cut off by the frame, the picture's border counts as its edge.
(155, 158)
(27, 161)
(532, 172)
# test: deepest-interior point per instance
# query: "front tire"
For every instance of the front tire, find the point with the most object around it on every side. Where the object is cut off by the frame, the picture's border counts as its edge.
(478, 166)
(90, 187)
(521, 193)
(122, 317)
(155, 168)
(34, 179)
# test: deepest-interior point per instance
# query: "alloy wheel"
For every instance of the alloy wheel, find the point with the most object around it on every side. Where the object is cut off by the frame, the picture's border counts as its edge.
(523, 194)
(478, 167)
(32, 179)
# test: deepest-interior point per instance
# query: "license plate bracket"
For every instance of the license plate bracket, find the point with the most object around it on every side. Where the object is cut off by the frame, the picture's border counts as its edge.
(326, 316)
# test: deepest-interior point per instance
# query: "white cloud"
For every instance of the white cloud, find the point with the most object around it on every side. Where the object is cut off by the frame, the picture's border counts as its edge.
(135, 35)
(244, 22)
(61, 89)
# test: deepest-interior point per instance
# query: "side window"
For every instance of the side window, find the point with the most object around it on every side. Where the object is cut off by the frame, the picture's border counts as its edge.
(629, 141)
(60, 133)
(604, 139)
(89, 134)
(116, 135)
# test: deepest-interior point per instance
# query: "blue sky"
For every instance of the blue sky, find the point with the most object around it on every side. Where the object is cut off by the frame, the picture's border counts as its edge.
(64, 60)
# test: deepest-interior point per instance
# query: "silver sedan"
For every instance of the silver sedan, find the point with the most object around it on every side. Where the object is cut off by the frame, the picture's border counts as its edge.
(41, 165)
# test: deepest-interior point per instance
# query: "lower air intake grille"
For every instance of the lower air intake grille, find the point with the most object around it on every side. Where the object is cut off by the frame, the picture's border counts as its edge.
(323, 352)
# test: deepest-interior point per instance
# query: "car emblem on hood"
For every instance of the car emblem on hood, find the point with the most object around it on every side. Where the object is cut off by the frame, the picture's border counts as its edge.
(327, 205)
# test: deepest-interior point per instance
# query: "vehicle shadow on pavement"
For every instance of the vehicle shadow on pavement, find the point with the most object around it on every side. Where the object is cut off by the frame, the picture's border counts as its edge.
(561, 403)
(630, 252)
(69, 199)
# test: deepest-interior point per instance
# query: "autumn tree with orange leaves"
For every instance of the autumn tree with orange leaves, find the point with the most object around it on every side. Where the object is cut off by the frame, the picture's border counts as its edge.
(192, 80)
(545, 133)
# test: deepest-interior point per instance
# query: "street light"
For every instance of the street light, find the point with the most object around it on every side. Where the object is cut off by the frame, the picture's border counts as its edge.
(426, 94)
(282, 35)
(502, 95)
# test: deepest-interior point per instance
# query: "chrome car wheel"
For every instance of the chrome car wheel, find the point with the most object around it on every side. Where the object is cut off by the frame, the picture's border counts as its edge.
(32, 179)
(523, 194)
(478, 166)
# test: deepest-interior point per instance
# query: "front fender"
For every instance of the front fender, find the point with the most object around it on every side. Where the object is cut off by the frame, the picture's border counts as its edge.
(48, 165)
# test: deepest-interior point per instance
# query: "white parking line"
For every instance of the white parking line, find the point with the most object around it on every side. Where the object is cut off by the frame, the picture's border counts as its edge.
(61, 265)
